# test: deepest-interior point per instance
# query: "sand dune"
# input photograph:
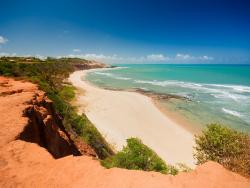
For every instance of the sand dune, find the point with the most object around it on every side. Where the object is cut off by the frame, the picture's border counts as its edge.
(119, 115)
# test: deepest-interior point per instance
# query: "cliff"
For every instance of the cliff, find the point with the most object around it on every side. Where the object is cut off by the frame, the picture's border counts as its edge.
(81, 64)
(35, 150)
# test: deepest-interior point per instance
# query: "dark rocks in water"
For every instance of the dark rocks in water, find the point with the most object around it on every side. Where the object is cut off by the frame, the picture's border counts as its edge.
(160, 96)
(113, 66)
(152, 94)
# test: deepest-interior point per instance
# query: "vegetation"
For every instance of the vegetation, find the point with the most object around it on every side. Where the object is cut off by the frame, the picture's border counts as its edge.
(138, 156)
(49, 75)
(225, 146)
(67, 93)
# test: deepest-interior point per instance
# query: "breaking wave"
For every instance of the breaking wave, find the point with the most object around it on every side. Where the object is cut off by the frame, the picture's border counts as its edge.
(231, 112)
(113, 76)
(234, 92)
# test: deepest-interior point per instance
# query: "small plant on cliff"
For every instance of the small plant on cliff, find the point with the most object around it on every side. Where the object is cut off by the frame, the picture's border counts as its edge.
(138, 156)
(225, 146)
(88, 132)
(67, 93)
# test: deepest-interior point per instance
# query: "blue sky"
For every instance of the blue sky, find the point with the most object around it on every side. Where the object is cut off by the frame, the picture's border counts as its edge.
(214, 31)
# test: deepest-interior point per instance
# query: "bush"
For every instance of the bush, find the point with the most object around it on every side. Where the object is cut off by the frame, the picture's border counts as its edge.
(138, 156)
(67, 93)
(225, 146)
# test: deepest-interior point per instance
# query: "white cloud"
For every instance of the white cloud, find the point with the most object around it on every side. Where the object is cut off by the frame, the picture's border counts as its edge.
(119, 59)
(3, 40)
(157, 57)
(151, 58)
(207, 57)
(183, 57)
(97, 57)
(187, 57)
(76, 50)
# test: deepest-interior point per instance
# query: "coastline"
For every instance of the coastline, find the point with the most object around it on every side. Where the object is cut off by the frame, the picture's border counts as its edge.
(190, 126)
(119, 115)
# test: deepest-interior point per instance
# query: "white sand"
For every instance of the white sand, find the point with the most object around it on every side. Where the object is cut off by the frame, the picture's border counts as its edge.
(119, 115)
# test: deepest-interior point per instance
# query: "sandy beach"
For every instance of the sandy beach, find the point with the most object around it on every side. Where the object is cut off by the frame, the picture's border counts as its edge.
(119, 115)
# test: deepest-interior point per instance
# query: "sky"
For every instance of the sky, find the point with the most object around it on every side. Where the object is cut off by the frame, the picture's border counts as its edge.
(128, 31)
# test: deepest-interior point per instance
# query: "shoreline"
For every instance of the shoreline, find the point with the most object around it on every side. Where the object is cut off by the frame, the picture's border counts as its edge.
(181, 121)
(156, 99)
(119, 115)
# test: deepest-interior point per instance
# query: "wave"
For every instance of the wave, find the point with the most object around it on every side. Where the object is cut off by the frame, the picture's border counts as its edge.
(222, 93)
(243, 116)
(210, 87)
(103, 73)
(113, 76)
(169, 83)
(237, 93)
(231, 112)
(227, 95)
(121, 67)
(191, 85)
(216, 90)
(237, 88)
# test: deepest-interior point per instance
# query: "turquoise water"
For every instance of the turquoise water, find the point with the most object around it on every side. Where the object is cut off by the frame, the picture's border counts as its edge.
(217, 93)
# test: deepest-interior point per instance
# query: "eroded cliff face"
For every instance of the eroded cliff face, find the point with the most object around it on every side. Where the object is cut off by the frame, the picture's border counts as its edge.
(43, 126)
(36, 151)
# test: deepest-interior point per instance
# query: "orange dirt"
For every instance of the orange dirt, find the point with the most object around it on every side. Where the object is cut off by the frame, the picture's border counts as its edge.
(28, 152)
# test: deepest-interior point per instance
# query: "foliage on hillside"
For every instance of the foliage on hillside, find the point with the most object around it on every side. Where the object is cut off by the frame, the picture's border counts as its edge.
(225, 146)
(138, 156)
(49, 75)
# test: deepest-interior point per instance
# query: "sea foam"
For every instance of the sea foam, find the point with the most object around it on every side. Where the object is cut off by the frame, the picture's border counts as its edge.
(113, 76)
(231, 112)
(216, 90)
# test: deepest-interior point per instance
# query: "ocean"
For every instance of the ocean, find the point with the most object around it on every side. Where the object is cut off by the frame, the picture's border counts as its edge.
(215, 93)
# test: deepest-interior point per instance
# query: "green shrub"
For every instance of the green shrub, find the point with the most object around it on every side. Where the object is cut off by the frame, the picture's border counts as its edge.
(225, 146)
(93, 137)
(67, 93)
(138, 156)
(88, 132)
